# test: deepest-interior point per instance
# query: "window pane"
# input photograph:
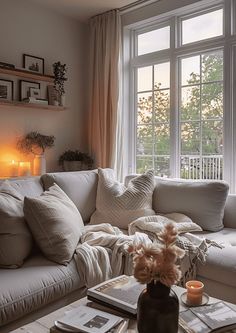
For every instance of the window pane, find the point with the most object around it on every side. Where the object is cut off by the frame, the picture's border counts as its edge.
(144, 108)
(190, 103)
(162, 76)
(190, 70)
(162, 166)
(212, 66)
(202, 27)
(161, 106)
(190, 138)
(145, 78)
(143, 163)
(144, 140)
(154, 40)
(212, 138)
(212, 101)
(162, 139)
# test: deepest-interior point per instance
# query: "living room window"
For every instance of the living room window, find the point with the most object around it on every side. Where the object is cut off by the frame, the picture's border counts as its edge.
(181, 69)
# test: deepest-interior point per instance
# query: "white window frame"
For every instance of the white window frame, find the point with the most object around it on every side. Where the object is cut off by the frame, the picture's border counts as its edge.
(131, 62)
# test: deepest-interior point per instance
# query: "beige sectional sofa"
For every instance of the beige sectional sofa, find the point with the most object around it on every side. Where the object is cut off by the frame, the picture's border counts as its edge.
(40, 286)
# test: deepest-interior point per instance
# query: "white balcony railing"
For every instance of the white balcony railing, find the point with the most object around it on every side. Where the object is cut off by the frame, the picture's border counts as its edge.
(204, 167)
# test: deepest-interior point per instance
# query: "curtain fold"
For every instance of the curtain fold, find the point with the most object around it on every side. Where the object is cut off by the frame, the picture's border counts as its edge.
(105, 41)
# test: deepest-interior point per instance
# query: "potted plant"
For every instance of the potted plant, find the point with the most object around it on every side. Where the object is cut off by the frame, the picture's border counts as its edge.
(73, 160)
(59, 71)
(36, 144)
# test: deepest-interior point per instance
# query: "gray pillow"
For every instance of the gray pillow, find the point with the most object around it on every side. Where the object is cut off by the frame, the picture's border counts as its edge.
(119, 205)
(55, 223)
(15, 237)
(202, 200)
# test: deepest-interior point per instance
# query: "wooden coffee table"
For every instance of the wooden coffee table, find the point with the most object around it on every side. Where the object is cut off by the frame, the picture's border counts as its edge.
(43, 324)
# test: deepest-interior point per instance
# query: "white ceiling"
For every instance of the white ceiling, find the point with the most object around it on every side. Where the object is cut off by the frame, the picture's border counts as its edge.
(83, 9)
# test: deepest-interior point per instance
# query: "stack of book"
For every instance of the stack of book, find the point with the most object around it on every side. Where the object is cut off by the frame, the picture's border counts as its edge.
(35, 100)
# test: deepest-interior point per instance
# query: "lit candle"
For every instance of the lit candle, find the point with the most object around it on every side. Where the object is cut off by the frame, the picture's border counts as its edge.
(194, 292)
(13, 168)
(24, 169)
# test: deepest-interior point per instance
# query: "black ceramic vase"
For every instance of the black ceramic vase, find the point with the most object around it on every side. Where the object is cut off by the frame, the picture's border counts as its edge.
(158, 309)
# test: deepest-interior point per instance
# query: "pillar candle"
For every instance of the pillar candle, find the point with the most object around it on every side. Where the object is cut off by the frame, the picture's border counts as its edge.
(194, 292)
(24, 169)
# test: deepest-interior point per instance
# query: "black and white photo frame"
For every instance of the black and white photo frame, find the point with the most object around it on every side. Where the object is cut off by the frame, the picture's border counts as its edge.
(6, 90)
(25, 88)
(33, 64)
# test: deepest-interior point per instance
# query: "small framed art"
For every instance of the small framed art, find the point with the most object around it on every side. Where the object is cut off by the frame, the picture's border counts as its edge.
(33, 64)
(25, 88)
(53, 97)
(6, 90)
(34, 92)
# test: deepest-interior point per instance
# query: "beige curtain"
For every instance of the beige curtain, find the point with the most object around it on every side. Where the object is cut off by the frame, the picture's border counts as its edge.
(105, 34)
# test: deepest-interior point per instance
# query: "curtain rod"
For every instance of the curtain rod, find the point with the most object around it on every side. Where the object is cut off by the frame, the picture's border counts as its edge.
(136, 5)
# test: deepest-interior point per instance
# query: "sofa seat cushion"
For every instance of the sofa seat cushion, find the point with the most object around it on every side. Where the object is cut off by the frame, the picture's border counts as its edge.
(37, 283)
(220, 264)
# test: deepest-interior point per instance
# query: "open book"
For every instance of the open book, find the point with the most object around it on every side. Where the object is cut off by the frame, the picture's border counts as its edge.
(217, 317)
(120, 293)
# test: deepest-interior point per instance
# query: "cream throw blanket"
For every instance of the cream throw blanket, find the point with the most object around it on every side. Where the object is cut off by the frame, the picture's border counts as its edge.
(102, 251)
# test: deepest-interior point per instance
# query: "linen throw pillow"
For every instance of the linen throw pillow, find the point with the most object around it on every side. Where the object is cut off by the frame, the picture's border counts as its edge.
(55, 223)
(119, 205)
(202, 200)
(15, 237)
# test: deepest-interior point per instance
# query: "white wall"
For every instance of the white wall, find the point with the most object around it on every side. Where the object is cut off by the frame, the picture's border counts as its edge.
(28, 28)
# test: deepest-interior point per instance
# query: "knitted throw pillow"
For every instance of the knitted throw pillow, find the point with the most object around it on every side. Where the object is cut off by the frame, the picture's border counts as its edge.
(119, 205)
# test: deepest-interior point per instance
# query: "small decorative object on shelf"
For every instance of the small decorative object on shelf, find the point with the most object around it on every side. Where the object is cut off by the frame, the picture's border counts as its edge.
(36, 144)
(155, 265)
(59, 80)
(73, 160)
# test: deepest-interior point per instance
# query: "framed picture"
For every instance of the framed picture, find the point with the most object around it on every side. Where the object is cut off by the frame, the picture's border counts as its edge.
(34, 92)
(33, 64)
(53, 97)
(25, 88)
(6, 90)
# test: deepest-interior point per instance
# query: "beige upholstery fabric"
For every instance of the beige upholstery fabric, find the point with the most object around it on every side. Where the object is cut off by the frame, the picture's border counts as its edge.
(55, 222)
(35, 284)
(15, 237)
(230, 212)
(80, 186)
(120, 205)
(220, 265)
(203, 201)
(31, 187)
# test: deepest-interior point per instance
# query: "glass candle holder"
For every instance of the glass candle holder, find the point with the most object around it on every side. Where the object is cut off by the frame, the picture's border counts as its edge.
(194, 292)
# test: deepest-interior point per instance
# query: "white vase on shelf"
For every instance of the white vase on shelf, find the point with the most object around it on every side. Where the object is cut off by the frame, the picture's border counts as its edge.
(63, 100)
(39, 165)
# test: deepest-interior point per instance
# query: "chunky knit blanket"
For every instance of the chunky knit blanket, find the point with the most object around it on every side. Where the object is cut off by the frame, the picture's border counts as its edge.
(102, 251)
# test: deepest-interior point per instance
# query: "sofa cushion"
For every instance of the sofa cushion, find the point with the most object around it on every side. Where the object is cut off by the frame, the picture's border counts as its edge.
(55, 222)
(35, 284)
(15, 237)
(80, 186)
(120, 205)
(203, 201)
(220, 264)
(32, 186)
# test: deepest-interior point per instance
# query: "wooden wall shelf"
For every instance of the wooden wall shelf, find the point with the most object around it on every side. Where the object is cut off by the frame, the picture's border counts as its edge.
(26, 74)
(22, 105)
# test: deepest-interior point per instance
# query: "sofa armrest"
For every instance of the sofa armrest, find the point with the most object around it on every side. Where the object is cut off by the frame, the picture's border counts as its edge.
(230, 212)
